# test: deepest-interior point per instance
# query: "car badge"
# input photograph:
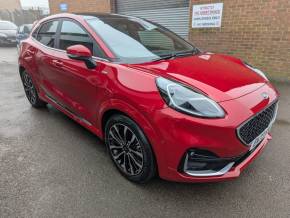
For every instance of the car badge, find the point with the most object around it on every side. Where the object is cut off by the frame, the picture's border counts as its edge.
(265, 95)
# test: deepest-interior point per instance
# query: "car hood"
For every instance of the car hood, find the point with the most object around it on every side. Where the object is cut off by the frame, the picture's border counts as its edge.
(219, 76)
(9, 33)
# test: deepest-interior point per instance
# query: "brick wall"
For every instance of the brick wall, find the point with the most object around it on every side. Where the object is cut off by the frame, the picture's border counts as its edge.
(10, 5)
(258, 31)
(81, 6)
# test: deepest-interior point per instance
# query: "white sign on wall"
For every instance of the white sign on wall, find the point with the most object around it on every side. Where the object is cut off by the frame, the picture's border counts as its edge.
(63, 7)
(208, 15)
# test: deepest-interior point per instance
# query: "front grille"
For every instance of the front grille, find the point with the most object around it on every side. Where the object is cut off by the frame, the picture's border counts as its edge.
(254, 127)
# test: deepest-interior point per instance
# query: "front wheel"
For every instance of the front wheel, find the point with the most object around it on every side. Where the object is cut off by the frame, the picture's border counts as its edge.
(30, 91)
(129, 149)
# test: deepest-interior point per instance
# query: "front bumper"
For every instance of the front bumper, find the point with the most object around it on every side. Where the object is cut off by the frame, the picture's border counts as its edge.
(181, 133)
(234, 171)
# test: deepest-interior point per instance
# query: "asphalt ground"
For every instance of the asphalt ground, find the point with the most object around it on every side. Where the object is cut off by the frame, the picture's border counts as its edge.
(52, 167)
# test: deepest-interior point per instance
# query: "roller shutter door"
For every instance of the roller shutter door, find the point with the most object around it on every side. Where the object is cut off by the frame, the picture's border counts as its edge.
(174, 15)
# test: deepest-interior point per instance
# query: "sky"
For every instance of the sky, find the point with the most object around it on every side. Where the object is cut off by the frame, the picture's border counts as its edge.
(34, 3)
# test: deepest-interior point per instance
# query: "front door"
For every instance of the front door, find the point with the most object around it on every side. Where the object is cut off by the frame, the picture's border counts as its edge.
(76, 85)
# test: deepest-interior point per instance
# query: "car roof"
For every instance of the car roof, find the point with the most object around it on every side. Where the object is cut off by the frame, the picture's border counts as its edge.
(103, 15)
(80, 16)
(85, 14)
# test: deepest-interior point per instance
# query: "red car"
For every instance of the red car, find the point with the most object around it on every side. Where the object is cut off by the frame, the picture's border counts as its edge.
(162, 106)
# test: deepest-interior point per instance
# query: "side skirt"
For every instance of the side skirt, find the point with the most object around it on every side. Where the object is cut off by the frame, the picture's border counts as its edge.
(73, 116)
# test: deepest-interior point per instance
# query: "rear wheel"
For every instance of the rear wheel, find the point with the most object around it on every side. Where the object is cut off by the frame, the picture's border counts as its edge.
(129, 149)
(30, 91)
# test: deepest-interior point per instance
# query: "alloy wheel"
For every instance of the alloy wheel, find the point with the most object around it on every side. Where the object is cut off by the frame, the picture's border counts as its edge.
(125, 149)
(29, 88)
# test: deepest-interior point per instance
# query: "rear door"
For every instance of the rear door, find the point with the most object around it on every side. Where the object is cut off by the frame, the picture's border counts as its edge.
(44, 57)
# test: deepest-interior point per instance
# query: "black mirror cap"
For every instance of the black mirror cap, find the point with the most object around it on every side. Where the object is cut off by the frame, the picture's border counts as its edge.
(89, 61)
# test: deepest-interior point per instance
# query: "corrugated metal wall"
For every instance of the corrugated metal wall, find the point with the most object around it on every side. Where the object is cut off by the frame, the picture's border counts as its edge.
(174, 15)
(138, 5)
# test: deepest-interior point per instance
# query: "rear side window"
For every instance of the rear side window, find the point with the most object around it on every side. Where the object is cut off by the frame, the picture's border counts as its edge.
(72, 34)
(34, 34)
(47, 33)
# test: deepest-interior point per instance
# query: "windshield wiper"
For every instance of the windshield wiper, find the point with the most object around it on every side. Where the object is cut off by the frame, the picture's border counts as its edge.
(177, 54)
(186, 53)
(165, 57)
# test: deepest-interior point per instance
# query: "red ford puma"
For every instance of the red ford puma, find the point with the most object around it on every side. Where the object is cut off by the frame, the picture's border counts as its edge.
(161, 105)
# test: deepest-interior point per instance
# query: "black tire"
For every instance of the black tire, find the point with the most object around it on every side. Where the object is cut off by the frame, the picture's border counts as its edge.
(130, 161)
(30, 91)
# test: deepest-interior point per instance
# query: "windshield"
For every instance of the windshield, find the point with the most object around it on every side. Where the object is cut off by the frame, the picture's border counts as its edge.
(135, 40)
(7, 26)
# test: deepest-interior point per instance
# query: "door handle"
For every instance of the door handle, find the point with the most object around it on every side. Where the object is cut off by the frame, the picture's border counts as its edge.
(57, 63)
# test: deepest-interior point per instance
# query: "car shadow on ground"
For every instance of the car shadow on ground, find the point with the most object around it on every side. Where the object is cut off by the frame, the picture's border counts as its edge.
(99, 146)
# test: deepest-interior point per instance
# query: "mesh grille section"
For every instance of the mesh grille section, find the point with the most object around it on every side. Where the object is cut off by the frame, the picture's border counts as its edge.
(257, 125)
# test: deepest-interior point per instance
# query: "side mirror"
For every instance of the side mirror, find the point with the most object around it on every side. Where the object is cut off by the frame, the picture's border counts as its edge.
(82, 53)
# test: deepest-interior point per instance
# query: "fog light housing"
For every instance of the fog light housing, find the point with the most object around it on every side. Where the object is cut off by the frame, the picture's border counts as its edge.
(205, 163)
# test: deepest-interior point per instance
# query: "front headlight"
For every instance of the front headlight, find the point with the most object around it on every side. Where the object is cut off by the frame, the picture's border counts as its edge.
(186, 100)
(257, 71)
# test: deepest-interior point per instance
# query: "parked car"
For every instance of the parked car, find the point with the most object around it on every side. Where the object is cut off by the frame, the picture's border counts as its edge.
(162, 106)
(7, 33)
(23, 32)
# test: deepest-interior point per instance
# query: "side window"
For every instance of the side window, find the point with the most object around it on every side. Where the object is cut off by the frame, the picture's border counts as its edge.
(34, 34)
(47, 33)
(72, 34)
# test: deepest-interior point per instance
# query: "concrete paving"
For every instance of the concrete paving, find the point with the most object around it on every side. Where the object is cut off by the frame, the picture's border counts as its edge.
(52, 167)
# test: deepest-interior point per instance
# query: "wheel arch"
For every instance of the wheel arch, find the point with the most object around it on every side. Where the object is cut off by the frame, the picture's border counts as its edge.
(21, 69)
(138, 118)
(24, 67)
(118, 106)
(107, 115)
